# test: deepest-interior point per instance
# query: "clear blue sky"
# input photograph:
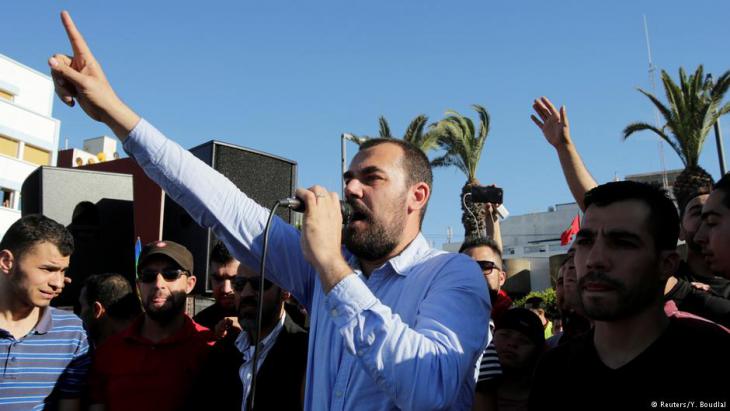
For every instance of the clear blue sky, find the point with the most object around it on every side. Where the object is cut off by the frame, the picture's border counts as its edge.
(288, 77)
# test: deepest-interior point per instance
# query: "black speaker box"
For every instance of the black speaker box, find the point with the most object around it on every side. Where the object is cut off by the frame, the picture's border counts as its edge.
(263, 177)
(97, 207)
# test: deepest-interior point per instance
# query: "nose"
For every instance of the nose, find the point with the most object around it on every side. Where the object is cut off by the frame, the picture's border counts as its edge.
(597, 258)
(227, 289)
(56, 280)
(702, 237)
(160, 281)
(353, 189)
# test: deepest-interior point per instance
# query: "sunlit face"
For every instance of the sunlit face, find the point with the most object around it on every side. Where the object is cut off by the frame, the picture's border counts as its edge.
(38, 275)
(375, 186)
(221, 277)
(620, 273)
(691, 221)
(515, 349)
(495, 277)
(163, 300)
(714, 233)
(560, 289)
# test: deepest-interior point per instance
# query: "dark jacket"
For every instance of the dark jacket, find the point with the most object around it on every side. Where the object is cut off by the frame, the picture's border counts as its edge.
(280, 379)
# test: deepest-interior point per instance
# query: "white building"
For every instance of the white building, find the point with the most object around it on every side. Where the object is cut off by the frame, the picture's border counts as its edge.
(28, 133)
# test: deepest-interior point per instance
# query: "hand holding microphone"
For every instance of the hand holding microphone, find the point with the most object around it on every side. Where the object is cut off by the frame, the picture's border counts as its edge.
(321, 239)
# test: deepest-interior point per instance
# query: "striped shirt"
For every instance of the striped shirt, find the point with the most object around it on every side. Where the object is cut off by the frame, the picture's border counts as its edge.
(489, 367)
(47, 364)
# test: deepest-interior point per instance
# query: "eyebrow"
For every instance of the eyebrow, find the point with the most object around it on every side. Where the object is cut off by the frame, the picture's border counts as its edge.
(366, 170)
(613, 234)
(707, 214)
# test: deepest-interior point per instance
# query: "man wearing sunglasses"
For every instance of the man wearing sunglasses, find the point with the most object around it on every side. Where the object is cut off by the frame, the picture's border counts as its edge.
(225, 382)
(163, 350)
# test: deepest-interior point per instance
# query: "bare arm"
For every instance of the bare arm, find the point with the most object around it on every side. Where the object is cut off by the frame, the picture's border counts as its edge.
(556, 129)
(492, 224)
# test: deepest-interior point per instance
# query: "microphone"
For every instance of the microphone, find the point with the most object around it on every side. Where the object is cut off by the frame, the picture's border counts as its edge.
(294, 203)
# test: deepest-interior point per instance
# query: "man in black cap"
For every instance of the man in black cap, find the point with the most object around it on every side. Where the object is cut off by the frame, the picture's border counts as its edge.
(151, 364)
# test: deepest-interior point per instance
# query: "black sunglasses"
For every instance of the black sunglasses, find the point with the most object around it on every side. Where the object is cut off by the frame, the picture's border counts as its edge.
(488, 266)
(239, 283)
(150, 276)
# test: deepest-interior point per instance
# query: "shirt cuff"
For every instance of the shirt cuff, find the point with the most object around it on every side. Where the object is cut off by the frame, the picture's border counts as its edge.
(143, 137)
(347, 299)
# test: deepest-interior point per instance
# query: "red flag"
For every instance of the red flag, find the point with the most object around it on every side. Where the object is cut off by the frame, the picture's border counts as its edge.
(568, 234)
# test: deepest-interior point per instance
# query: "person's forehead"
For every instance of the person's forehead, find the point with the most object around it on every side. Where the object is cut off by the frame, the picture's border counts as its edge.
(715, 203)
(384, 156)
(628, 216)
(699, 200)
(483, 253)
(46, 252)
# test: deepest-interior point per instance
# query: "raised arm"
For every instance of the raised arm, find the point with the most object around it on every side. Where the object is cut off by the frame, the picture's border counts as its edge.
(556, 129)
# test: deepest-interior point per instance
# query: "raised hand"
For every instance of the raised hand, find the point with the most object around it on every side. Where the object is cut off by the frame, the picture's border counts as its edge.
(80, 78)
(553, 124)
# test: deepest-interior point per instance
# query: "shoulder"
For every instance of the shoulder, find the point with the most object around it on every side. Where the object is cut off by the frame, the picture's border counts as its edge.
(702, 333)
(65, 320)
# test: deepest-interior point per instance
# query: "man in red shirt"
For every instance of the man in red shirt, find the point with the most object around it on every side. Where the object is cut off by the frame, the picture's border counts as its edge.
(151, 364)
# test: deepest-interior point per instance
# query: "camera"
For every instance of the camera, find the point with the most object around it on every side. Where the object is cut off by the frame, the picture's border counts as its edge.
(487, 194)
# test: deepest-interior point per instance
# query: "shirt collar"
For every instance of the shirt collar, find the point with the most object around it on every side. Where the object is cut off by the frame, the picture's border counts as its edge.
(45, 323)
(401, 263)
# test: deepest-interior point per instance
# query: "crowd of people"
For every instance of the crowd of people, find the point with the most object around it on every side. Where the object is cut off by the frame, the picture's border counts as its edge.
(391, 323)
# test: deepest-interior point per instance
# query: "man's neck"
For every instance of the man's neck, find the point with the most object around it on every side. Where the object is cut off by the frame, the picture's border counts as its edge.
(368, 266)
(619, 342)
(155, 332)
(15, 317)
(697, 264)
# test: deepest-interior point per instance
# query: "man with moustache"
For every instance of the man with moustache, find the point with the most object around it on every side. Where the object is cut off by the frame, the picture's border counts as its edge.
(43, 350)
(151, 365)
(392, 319)
(223, 268)
(635, 356)
(225, 383)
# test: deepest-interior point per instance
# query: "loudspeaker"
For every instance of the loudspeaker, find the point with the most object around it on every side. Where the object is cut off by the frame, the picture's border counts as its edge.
(97, 208)
(265, 178)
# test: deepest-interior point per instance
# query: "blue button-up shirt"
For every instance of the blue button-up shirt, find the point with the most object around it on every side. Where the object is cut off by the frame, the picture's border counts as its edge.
(406, 337)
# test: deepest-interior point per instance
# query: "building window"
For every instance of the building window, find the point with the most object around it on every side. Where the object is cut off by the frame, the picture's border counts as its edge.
(6, 95)
(7, 197)
(9, 147)
(36, 156)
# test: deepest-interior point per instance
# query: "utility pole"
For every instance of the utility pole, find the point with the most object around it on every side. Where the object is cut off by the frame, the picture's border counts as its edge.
(652, 70)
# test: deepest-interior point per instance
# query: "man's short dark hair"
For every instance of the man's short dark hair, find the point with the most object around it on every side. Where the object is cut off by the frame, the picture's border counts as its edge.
(34, 229)
(115, 293)
(482, 242)
(220, 254)
(663, 219)
(415, 163)
(723, 185)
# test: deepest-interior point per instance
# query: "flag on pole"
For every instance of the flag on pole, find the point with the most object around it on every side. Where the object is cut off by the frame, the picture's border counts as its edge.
(568, 234)
(137, 252)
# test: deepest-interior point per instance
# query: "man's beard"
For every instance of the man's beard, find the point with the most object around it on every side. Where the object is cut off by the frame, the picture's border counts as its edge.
(629, 300)
(378, 239)
(269, 313)
(166, 313)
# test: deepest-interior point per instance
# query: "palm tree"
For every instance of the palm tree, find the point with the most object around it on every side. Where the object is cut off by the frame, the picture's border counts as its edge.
(463, 146)
(414, 133)
(692, 110)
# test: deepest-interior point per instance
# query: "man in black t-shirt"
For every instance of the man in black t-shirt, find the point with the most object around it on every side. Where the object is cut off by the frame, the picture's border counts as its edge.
(635, 357)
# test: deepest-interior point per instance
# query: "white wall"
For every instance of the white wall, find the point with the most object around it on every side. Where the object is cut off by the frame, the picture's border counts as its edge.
(35, 89)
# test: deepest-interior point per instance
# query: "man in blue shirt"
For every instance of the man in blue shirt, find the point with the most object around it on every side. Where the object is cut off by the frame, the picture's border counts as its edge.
(392, 320)
(43, 350)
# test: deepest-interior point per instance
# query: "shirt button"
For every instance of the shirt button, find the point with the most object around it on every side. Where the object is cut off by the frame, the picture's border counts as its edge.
(334, 312)
(12, 359)
(338, 394)
(360, 352)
